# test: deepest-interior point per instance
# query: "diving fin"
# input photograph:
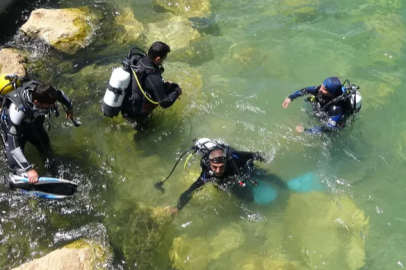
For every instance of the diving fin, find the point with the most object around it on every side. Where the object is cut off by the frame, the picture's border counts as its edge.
(46, 187)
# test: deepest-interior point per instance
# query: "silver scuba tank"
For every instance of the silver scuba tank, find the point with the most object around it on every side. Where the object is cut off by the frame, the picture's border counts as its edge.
(115, 92)
(358, 101)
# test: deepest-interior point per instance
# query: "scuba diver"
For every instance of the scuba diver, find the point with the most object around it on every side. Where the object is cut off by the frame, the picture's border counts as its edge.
(332, 103)
(22, 118)
(138, 88)
(226, 168)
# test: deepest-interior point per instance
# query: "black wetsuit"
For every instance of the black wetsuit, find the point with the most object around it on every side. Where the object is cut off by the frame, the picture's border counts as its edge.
(135, 104)
(331, 118)
(243, 164)
(21, 123)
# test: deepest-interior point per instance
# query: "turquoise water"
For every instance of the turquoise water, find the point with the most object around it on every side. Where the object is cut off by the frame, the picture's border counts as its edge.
(251, 55)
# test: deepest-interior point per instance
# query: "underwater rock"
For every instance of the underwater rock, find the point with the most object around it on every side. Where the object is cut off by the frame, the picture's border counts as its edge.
(300, 6)
(128, 28)
(188, 78)
(176, 32)
(389, 31)
(137, 231)
(185, 8)
(196, 253)
(189, 253)
(12, 61)
(82, 254)
(330, 232)
(67, 30)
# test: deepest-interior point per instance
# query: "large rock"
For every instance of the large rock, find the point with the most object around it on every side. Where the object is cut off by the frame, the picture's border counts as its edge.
(176, 32)
(12, 61)
(330, 233)
(82, 254)
(128, 28)
(67, 30)
(196, 253)
(185, 8)
(137, 232)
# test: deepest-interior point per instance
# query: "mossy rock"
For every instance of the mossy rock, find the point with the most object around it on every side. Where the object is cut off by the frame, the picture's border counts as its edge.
(185, 8)
(137, 231)
(188, 254)
(128, 28)
(81, 254)
(389, 31)
(327, 229)
(300, 6)
(175, 31)
(12, 61)
(67, 30)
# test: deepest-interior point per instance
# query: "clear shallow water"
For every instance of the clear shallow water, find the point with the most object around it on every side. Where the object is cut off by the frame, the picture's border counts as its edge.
(253, 54)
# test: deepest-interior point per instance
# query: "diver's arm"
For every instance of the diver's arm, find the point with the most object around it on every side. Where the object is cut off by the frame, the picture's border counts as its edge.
(15, 154)
(155, 85)
(63, 98)
(242, 158)
(188, 194)
(311, 90)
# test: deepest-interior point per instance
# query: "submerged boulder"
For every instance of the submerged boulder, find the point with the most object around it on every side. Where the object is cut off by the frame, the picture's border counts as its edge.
(196, 253)
(12, 61)
(329, 232)
(128, 28)
(82, 254)
(137, 231)
(176, 32)
(67, 30)
(185, 8)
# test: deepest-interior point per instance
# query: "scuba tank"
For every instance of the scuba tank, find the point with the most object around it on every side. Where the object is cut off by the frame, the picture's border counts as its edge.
(119, 82)
(115, 92)
(204, 146)
(356, 101)
(6, 85)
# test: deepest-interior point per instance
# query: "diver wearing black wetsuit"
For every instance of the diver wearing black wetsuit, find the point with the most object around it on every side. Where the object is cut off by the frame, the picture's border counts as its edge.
(22, 118)
(234, 164)
(138, 105)
(331, 105)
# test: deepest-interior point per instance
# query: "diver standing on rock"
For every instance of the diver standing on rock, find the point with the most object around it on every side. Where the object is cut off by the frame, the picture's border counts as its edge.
(22, 118)
(332, 103)
(138, 88)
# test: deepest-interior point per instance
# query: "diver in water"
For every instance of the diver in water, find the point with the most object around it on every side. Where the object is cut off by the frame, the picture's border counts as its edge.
(226, 168)
(22, 118)
(332, 104)
(138, 88)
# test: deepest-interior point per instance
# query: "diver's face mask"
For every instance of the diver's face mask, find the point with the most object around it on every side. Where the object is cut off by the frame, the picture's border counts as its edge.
(218, 165)
(42, 108)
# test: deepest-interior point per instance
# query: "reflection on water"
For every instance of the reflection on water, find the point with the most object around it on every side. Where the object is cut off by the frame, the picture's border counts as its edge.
(237, 64)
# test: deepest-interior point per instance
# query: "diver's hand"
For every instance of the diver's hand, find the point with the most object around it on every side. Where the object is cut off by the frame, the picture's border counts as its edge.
(32, 176)
(260, 157)
(69, 113)
(179, 90)
(286, 102)
(172, 210)
(299, 128)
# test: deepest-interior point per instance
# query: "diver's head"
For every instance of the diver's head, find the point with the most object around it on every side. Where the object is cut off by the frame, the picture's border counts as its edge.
(158, 52)
(217, 161)
(331, 87)
(44, 98)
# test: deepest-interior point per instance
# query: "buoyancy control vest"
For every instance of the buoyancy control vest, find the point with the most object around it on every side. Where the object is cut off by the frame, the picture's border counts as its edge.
(139, 102)
(125, 88)
(350, 101)
(16, 96)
